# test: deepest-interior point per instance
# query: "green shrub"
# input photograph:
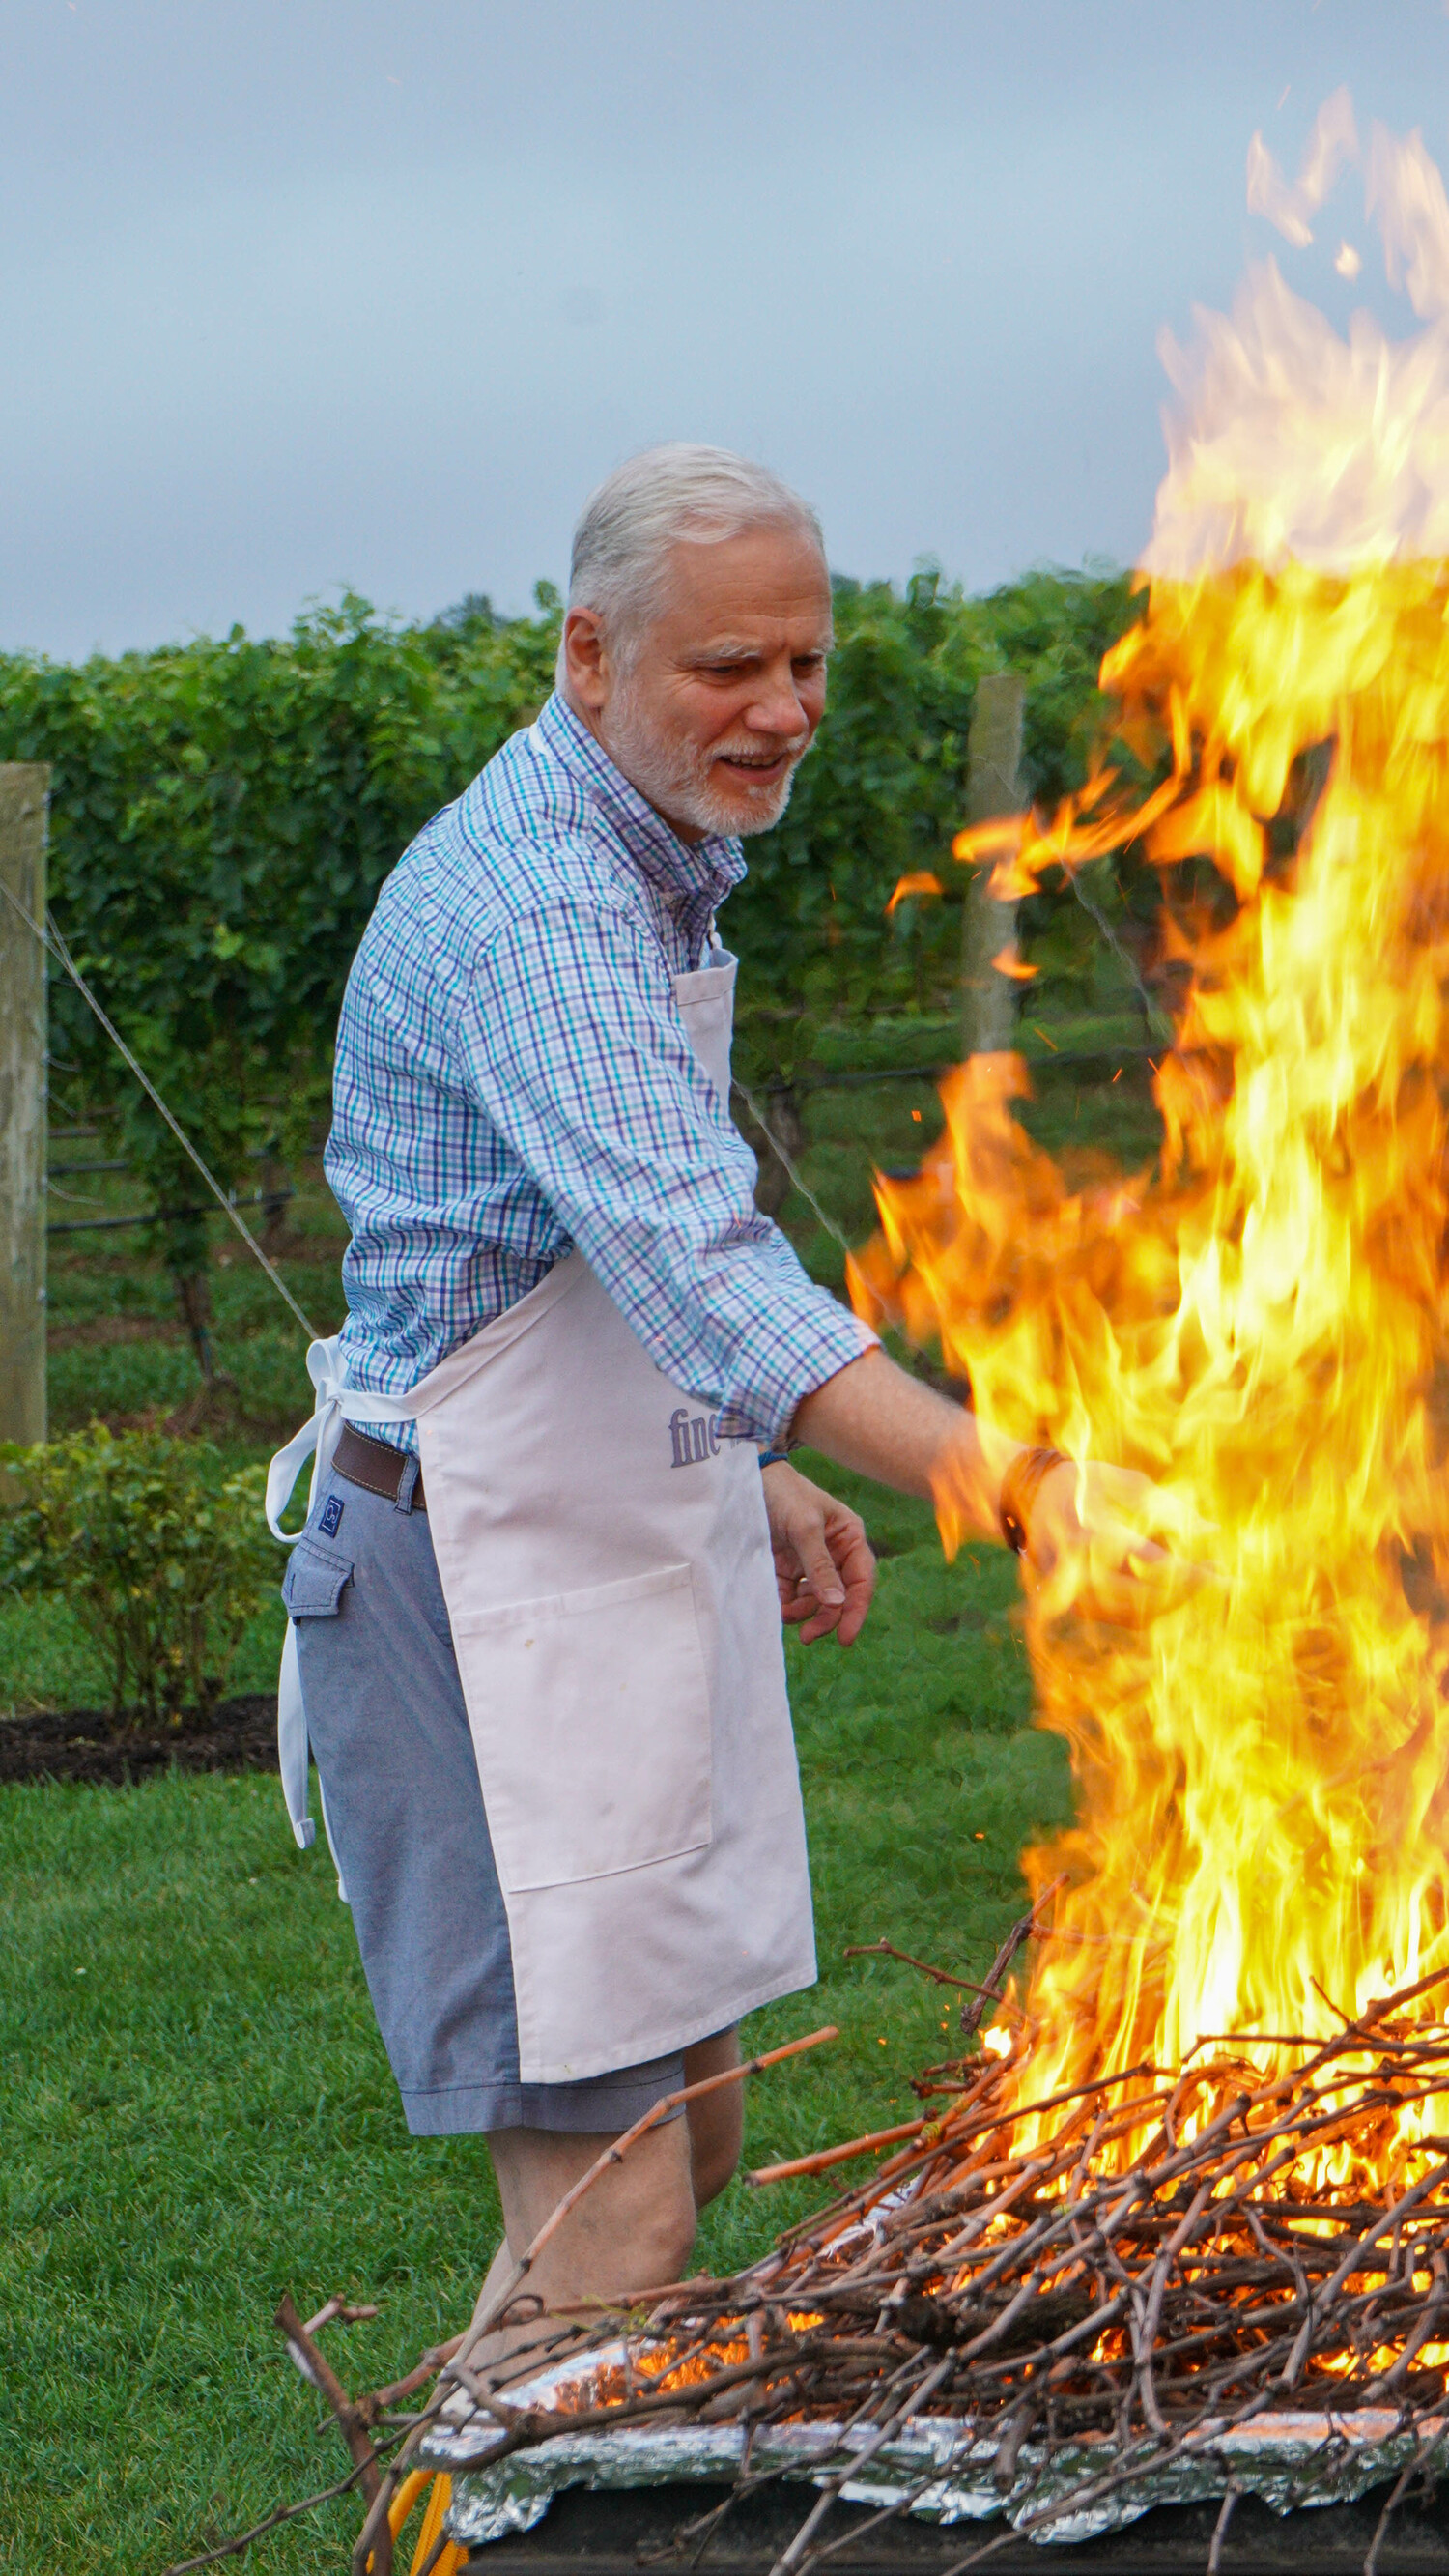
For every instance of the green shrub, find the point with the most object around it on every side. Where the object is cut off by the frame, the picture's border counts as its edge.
(160, 1550)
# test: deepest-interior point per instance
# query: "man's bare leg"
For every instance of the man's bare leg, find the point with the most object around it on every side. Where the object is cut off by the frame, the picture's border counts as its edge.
(633, 2227)
(717, 2123)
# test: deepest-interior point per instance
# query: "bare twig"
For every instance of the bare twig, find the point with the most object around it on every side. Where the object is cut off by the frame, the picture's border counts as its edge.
(791, 2556)
(314, 2365)
(939, 1976)
(825, 2157)
(1220, 2528)
(337, 2311)
(259, 2530)
(972, 2015)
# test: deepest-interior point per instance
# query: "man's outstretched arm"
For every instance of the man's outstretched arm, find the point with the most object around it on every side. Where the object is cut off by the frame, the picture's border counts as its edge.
(1087, 1528)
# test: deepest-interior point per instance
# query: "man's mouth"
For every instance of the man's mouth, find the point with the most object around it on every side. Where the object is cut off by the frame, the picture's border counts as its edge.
(750, 766)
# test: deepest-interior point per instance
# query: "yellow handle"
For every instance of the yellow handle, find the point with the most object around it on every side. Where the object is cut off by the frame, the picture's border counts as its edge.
(406, 2497)
(455, 2555)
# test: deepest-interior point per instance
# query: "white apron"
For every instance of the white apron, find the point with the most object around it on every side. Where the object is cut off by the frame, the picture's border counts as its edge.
(606, 1565)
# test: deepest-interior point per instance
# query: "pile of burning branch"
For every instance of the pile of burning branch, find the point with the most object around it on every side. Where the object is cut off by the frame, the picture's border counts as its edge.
(1062, 2288)
(1171, 2257)
(1175, 2256)
(1168, 2258)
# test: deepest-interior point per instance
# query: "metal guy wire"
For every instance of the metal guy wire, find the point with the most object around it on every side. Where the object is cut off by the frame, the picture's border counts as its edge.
(50, 938)
(792, 1168)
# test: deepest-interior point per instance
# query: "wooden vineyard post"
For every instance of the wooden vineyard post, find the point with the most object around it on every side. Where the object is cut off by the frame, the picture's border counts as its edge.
(993, 786)
(24, 795)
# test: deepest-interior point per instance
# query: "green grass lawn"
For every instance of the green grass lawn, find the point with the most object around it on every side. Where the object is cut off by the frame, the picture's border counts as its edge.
(198, 2113)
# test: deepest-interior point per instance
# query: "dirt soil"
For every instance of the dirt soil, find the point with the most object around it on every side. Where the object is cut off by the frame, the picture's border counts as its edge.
(86, 1744)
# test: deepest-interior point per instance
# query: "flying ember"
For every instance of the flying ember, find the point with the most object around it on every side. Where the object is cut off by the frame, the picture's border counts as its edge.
(1258, 1320)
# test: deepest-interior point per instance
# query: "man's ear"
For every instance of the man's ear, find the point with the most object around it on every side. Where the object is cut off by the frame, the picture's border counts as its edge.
(585, 659)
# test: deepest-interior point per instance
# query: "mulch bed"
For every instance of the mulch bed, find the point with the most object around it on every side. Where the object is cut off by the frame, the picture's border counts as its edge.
(86, 1744)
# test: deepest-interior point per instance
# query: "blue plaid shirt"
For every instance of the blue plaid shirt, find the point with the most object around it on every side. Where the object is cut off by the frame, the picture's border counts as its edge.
(513, 1079)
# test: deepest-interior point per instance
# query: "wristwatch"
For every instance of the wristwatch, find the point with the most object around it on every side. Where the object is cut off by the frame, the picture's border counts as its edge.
(1020, 1487)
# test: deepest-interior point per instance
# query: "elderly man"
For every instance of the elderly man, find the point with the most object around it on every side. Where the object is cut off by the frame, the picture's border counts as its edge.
(534, 1606)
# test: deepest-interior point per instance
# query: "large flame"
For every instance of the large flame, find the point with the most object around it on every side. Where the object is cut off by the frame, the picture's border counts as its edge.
(1258, 1321)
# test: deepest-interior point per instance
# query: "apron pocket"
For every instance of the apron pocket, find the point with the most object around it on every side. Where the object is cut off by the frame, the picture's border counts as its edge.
(591, 1722)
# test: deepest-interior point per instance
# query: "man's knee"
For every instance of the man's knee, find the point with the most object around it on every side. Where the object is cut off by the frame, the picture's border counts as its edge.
(712, 2170)
(714, 2145)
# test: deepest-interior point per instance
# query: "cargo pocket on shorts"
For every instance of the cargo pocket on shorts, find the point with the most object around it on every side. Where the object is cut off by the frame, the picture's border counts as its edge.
(591, 1721)
(315, 1581)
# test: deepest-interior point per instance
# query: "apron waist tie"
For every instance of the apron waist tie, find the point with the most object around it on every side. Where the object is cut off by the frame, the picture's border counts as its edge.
(319, 1439)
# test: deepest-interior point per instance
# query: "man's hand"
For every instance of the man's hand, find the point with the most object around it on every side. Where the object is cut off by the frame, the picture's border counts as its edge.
(1095, 1534)
(823, 1562)
(1090, 1546)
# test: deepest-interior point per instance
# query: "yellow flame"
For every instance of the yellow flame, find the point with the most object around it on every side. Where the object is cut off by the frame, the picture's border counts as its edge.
(1259, 1320)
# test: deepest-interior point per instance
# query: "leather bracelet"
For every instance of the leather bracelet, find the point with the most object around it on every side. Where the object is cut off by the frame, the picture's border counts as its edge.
(1020, 1486)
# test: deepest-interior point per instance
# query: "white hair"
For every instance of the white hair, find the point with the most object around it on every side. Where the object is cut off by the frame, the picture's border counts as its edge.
(650, 503)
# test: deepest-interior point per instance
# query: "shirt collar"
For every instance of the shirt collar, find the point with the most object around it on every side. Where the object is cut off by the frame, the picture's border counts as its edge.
(708, 867)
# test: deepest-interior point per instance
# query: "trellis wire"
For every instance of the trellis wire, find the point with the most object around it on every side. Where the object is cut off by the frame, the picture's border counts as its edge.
(50, 938)
(161, 1216)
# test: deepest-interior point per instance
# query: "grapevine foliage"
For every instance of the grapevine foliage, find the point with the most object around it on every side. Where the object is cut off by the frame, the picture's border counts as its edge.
(224, 811)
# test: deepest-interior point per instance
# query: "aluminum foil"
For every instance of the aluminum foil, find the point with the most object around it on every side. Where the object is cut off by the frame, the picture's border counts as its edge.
(940, 2469)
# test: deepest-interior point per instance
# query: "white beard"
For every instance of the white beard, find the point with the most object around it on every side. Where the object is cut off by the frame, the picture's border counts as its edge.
(677, 779)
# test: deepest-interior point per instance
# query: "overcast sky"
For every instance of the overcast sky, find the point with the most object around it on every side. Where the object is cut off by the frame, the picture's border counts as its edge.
(303, 293)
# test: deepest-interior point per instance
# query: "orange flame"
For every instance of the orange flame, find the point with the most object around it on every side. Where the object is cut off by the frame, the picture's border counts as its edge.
(1259, 1321)
(919, 882)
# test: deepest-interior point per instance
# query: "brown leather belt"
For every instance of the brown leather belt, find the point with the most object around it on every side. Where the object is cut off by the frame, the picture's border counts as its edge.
(375, 1465)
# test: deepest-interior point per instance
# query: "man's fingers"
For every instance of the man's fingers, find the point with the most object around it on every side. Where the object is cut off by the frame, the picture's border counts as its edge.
(820, 1624)
(799, 1605)
(853, 1554)
(856, 1559)
(853, 1617)
(824, 1568)
(817, 1565)
(1126, 1580)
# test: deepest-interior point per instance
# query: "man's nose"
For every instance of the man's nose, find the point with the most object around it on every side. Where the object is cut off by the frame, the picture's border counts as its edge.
(776, 707)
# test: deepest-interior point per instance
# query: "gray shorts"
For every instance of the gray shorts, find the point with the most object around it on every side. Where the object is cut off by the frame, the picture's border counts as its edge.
(390, 1737)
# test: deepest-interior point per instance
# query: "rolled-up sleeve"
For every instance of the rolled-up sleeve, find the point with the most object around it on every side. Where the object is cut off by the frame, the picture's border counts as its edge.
(572, 1044)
